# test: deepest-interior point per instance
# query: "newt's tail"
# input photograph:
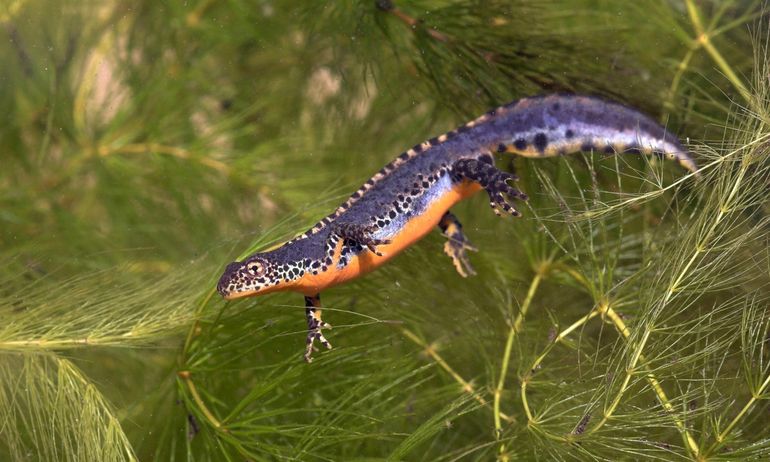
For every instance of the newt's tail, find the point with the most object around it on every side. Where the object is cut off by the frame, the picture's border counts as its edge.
(562, 124)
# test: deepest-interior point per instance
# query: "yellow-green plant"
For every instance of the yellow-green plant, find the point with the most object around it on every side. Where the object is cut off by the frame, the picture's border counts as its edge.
(143, 146)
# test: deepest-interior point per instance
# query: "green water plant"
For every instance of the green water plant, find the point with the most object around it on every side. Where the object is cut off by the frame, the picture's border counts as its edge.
(144, 146)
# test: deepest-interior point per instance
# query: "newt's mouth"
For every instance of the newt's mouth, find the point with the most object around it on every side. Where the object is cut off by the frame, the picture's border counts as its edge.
(227, 282)
(233, 285)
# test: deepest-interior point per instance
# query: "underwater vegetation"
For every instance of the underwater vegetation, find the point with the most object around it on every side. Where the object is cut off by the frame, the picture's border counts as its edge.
(143, 146)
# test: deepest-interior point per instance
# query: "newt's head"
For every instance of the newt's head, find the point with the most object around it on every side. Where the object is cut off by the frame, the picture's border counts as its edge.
(275, 270)
(252, 276)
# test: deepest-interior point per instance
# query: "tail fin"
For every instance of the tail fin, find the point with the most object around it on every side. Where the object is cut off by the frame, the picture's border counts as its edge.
(562, 124)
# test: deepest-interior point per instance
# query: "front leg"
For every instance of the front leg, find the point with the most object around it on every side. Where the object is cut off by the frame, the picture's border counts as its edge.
(494, 182)
(356, 232)
(456, 244)
(314, 325)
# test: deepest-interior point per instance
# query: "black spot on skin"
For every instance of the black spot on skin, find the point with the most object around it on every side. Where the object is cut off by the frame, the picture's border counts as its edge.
(433, 141)
(356, 195)
(520, 144)
(556, 106)
(463, 129)
(451, 135)
(569, 134)
(425, 184)
(392, 214)
(501, 148)
(404, 156)
(541, 142)
(659, 154)
(609, 149)
(587, 147)
(417, 148)
(633, 149)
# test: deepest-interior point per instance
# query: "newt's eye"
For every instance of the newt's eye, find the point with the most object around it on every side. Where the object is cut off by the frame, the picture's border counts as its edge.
(256, 268)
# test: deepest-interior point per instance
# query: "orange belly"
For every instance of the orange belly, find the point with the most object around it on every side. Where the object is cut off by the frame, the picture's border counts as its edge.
(414, 230)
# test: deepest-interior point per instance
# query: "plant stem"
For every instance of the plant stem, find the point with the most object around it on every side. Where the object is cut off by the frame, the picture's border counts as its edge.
(414, 23)
(186, 375)
(514, 329)
(704, 39)
(617, 321)
(701, 246)
(723, 210)
(726, 432)
(42, 343)
(626, 380)
(187, 379)
(194, 327)
(668, 104)
(696, 45)
(466, 386)
(525, 380)
(605, 310)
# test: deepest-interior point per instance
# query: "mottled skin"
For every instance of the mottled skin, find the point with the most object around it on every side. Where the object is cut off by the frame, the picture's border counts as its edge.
(413, 194)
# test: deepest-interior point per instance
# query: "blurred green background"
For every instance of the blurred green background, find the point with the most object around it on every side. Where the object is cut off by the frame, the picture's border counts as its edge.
(144, 145)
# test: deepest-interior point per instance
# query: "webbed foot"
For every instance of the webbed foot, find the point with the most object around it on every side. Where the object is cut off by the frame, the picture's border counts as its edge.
(457, 244)
(314, 326)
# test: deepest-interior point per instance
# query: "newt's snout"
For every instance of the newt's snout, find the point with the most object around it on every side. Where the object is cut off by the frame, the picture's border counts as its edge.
(225, 285)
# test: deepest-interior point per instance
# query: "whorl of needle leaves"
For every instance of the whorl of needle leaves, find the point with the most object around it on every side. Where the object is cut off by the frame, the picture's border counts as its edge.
(145, 145)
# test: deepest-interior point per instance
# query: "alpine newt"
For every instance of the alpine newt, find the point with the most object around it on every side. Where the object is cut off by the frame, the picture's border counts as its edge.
(413, 194)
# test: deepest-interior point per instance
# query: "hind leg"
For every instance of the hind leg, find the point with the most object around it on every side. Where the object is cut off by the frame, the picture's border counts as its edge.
(493, 180)
(456, 244)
